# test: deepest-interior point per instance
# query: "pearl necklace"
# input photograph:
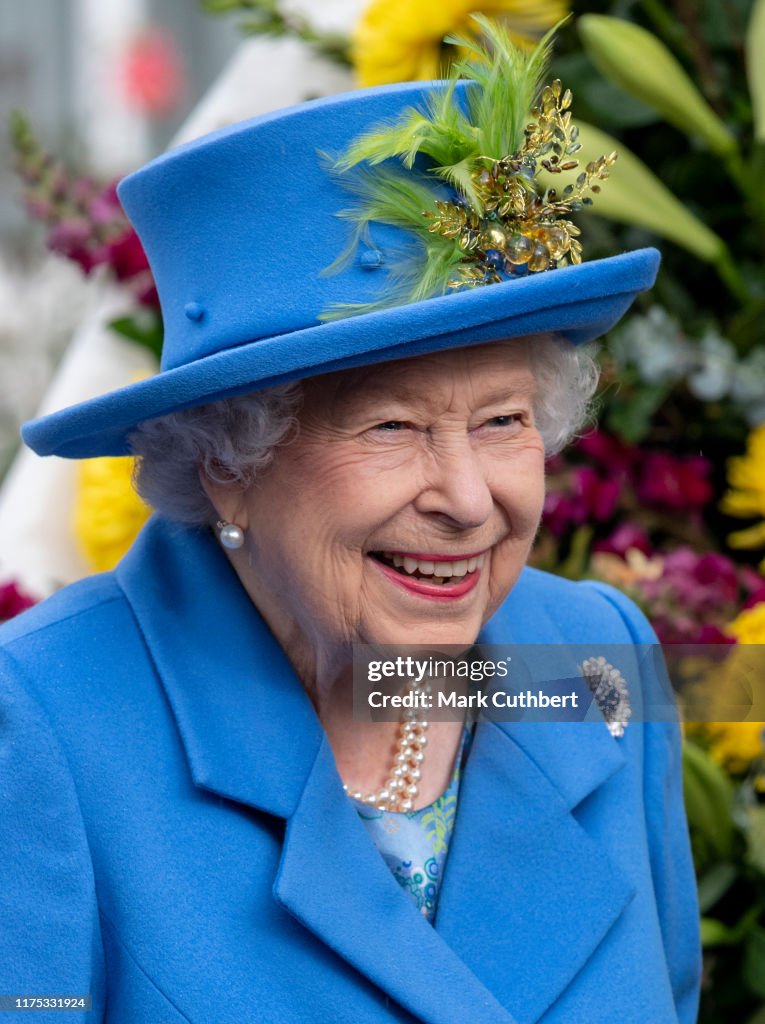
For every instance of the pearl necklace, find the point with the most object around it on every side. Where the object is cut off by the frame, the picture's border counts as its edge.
(400, 790)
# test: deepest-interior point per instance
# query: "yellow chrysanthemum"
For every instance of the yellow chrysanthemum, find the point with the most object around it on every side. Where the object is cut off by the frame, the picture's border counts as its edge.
(746, 476)
(732, 684)
(401, 41)
(107, 511)
(734, 745)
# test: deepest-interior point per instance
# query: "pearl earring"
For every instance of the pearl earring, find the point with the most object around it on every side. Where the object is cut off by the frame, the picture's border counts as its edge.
(230, 535)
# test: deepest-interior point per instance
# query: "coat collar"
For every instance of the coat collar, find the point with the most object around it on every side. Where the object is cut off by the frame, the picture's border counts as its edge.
(512, 928)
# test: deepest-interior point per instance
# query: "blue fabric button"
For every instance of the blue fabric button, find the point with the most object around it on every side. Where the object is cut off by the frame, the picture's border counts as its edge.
(194, 311)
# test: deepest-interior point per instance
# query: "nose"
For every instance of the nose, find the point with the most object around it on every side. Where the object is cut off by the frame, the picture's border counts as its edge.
(456, 485)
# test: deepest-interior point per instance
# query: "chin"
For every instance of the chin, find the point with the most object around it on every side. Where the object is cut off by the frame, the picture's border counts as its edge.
(448, 638)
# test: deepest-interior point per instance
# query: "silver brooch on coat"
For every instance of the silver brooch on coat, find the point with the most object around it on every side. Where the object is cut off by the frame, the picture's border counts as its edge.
(609, 689)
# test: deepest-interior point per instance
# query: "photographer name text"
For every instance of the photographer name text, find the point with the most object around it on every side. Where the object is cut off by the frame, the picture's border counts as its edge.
(480, 699)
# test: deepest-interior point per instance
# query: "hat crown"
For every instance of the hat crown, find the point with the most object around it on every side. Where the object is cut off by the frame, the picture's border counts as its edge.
(240, 225)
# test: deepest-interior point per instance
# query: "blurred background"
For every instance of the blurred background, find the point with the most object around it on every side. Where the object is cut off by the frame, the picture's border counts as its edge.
(664, 497)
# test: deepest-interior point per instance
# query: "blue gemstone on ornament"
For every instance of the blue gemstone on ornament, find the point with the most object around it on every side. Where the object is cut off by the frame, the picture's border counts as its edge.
(371, 259)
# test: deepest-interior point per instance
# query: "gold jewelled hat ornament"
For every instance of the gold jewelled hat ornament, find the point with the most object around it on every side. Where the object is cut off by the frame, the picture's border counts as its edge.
(480, 213)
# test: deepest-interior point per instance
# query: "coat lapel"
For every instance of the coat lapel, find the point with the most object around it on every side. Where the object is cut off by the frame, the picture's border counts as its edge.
(527, 895)
(513, 927)
(334, 881)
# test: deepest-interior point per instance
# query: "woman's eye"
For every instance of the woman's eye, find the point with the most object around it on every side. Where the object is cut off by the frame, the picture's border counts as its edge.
(391, 425)
(506, 421)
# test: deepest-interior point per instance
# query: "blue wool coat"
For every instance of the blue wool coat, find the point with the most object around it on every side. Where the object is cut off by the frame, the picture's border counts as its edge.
(176, 840)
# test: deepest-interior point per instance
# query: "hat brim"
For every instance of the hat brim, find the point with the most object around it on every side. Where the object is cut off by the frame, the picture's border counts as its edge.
(577, 303)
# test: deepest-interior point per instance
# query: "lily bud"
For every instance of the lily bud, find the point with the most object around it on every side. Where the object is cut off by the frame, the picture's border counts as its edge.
(634, 195)
(755, 66)
(641, 65)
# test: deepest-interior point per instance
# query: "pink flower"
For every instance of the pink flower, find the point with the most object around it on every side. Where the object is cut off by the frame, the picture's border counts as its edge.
(694, 598)
(612, 454)
(152, 73)
(670, 483)
(595, 497)
(104, 207)
(626, 537)
(13, 601)
(559, 512)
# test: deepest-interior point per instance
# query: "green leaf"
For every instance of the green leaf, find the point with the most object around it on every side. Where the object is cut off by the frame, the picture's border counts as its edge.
(639, 63)
(715, 933)
(634, 195)
(754, 961)
(146, 331)
(755, 834)
(632, 418)
(755, 66)
(708, 800)
(714, 884)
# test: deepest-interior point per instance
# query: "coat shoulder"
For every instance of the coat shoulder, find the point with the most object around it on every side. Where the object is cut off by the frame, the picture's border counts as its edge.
(544, 608)
(84, 631)
(81, 598)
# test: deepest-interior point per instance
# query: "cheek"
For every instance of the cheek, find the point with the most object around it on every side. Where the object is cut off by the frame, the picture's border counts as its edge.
(520, 490)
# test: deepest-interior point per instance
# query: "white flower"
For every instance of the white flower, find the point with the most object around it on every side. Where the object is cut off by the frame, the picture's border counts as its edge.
(40, 306)
(715, 368)
(655, 345)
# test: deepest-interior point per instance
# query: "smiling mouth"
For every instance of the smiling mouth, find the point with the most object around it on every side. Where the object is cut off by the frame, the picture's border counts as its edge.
(443, 573)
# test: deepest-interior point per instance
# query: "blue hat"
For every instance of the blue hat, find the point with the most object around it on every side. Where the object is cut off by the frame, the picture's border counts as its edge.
(240, 227)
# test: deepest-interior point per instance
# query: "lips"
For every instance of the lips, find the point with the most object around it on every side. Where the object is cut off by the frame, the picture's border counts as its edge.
(432, 575)
(437, 569)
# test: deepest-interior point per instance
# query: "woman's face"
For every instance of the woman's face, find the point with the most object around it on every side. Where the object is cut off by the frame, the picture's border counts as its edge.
(404, 510)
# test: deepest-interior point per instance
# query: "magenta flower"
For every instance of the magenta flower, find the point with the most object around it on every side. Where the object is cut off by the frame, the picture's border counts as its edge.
(13, 601)
(595, 497)
(624, 538)
(611, 453)
(695, 596)
(589, 498)
(559, 512)
(670, 483)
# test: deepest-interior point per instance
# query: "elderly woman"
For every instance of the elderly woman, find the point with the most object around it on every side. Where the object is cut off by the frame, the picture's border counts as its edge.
(196, 827)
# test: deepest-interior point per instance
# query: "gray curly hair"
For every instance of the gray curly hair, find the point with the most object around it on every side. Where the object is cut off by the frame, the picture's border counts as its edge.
(234, 439)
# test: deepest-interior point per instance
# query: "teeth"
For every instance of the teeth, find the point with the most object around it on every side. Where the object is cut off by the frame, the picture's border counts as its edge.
(439, 571)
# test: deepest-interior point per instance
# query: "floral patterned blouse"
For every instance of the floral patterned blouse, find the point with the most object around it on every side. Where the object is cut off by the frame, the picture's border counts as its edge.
(414, 844)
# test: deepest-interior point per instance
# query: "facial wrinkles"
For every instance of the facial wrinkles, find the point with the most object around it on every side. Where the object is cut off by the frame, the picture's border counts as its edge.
(357, 490)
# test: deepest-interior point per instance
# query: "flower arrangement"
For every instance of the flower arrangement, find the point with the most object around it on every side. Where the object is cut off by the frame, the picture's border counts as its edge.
(86, 224)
